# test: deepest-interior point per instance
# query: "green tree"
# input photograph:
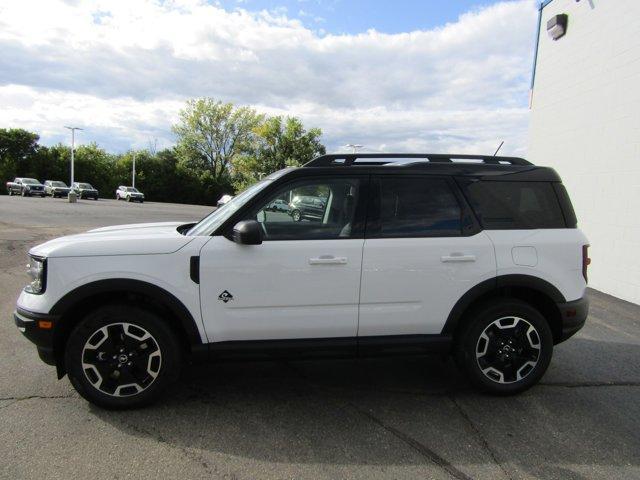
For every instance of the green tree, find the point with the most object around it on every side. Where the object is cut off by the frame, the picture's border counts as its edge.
(17, 148)
(281, 142)
(211, 133)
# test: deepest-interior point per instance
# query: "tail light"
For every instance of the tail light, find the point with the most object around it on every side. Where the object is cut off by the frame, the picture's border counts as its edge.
(585, 261)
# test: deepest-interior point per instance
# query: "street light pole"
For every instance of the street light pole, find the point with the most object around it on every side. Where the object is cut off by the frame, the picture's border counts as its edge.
(73, 148)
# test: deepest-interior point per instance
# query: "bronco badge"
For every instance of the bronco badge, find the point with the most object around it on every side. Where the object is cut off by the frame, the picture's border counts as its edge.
(225, 296)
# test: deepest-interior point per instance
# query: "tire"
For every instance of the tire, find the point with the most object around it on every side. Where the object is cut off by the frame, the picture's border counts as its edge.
(9, 192)
(155, 350)
(506, 347)
(296, 215)
(128, 199)
(24, 193)
(141, 201)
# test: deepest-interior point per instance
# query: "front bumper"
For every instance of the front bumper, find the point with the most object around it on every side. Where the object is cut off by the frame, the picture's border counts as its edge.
(574, 315)
(38, 328)
(88, 194)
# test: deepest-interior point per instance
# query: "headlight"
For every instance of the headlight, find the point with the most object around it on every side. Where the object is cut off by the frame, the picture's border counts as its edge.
(36, 269)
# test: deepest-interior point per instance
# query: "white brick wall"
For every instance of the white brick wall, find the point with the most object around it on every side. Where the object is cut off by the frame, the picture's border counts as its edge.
(585, 122)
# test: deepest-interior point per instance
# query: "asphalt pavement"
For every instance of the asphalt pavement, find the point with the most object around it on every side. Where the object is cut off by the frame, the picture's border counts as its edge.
(401, 418)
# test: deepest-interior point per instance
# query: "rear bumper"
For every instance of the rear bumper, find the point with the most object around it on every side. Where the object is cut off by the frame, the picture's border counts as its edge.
(574, 315)
(38, 328)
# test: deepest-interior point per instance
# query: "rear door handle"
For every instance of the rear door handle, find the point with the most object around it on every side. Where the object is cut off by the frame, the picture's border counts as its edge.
(458, 257)
(328, 260)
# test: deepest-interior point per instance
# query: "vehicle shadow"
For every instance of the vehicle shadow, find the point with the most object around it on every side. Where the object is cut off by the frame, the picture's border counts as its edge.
(405, 411)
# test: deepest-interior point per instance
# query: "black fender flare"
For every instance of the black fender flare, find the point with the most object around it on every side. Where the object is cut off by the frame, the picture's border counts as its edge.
(495, 284)
(113, 285)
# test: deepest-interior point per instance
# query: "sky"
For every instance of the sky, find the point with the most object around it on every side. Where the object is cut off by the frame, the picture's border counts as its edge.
(404, 75)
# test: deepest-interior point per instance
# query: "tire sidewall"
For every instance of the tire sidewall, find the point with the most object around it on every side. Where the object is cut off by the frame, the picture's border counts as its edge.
(480, 320)
(154, 324)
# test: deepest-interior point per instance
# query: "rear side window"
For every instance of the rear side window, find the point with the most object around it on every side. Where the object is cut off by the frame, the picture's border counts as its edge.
(417, 207)
(515, 205)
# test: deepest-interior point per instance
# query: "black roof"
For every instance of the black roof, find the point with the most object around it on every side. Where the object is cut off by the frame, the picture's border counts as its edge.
(479, 166)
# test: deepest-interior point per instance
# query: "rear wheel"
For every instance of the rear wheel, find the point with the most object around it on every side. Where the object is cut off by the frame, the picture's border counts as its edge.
(122, 356)
(506, 347)
(24, 193)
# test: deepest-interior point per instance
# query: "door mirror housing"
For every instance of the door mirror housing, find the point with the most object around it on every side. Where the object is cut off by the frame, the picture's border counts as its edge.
(247, 232)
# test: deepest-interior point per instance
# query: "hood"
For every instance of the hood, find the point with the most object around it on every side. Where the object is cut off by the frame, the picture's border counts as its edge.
(133, 239)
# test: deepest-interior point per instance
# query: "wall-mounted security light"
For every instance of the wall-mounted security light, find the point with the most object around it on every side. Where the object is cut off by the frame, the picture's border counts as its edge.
(557, 26)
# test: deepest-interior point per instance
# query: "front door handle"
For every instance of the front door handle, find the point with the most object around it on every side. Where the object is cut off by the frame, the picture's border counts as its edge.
(328, 260)
(458, 257)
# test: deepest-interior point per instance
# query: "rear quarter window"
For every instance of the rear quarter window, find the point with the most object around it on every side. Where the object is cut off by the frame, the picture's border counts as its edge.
(503, 205)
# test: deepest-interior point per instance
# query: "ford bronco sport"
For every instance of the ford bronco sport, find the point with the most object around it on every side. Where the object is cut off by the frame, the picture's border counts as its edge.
(475, 256)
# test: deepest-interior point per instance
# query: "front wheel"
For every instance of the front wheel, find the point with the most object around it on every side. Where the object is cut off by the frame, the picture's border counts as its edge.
(296, 216)
(24, 193)
(506, 347)
(122, 356)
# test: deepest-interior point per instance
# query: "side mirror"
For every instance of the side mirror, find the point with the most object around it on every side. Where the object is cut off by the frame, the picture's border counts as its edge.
(247, 232)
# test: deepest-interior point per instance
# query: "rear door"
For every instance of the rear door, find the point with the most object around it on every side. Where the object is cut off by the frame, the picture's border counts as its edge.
(422, 252)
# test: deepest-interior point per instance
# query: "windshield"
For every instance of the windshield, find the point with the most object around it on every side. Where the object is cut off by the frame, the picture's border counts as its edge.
(85, 186)
(58, 184)
(131, 189)
(30, 181)
(208, 224)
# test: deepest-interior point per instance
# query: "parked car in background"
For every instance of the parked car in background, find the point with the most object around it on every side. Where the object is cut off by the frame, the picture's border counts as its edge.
(306, 208)
(56, 188)
(26, 187)
(223, 199)
(130, 194)
(278, 205)
(84, 190)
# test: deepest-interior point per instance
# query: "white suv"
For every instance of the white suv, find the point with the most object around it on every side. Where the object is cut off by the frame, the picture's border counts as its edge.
(130, 194)
(413, 253)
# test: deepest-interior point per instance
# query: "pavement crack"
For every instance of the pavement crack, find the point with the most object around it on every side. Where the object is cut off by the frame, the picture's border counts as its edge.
(419, 447)
(589, 384)
(44, 397)
(483, 441)
(411, 442)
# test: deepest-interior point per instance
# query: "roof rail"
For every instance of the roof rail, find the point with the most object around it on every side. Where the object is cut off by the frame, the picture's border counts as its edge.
(347, 159)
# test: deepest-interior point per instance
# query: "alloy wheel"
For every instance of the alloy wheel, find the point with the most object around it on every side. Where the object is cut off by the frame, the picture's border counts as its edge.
(121, 359)
(508, 349)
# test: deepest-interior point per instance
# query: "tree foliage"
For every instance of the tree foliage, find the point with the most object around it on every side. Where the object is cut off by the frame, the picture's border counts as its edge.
(280, 143)
(220, 148)
(211, 133)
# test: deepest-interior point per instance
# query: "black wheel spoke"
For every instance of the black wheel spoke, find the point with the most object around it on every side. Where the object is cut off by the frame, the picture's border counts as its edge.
(118, 364)
(504, 351)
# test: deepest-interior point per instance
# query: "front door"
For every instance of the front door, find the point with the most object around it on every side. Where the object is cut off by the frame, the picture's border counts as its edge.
(303, 281)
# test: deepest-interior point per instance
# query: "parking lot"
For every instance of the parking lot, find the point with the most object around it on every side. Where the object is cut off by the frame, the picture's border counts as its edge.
(374, 418)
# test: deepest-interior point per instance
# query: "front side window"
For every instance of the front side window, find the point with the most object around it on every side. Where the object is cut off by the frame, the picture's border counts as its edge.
(311, 209)
(416, 207)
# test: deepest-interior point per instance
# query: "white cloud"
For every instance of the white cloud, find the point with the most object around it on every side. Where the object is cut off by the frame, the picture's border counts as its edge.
(124, 68)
